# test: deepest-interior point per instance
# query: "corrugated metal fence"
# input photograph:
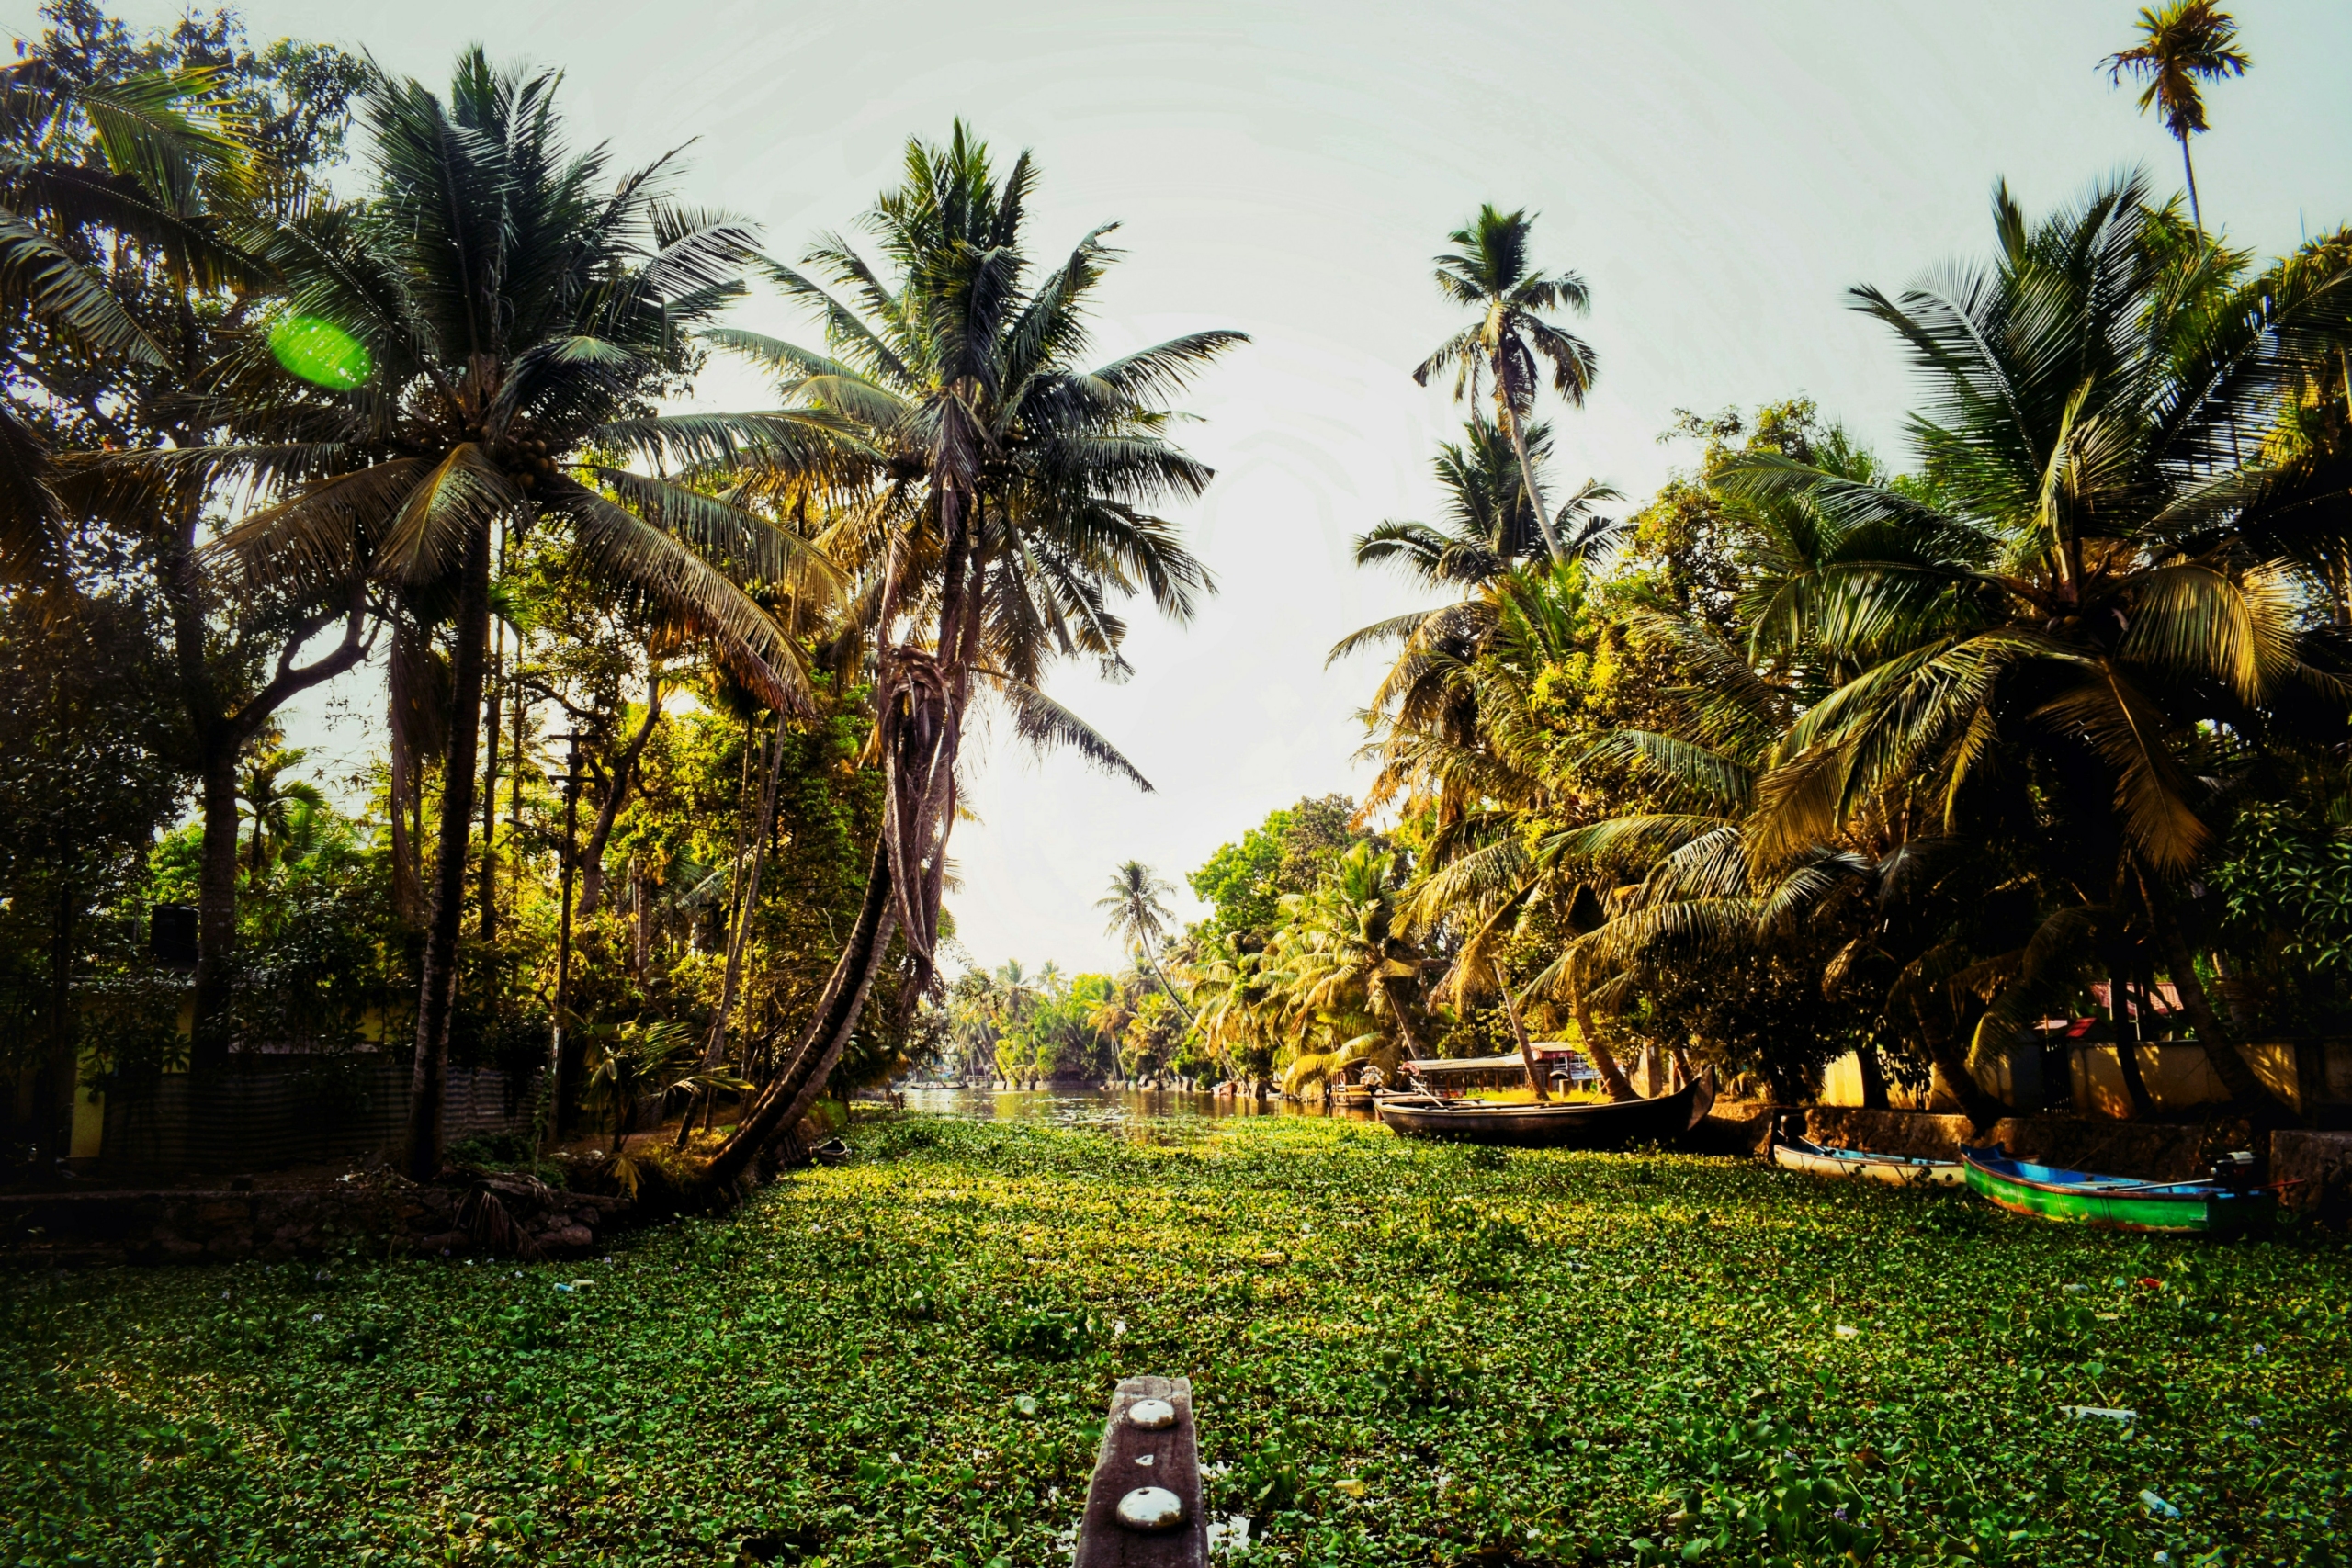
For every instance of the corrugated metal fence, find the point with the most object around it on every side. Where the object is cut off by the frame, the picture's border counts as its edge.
(326, 1109)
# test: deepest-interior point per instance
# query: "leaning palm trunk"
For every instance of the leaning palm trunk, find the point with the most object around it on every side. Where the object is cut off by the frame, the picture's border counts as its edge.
(2248, 1093)
(1604, 1062)
(438, 996)
(1519, 1033)
(921, 704)
(1950, 1058)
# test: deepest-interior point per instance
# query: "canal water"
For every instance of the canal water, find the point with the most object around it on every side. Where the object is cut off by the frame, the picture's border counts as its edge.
(1102, 1107)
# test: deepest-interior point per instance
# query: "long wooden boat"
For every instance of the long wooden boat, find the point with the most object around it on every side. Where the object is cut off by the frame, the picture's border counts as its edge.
(2116, 1202)
(1550, 1126)
(1864, 1165)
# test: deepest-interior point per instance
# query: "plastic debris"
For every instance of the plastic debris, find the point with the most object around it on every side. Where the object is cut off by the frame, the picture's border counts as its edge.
(2158, 1506)
(2086, 1412)
(1845, 1331)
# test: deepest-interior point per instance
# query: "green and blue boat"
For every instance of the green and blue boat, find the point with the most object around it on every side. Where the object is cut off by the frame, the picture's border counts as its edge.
(2118, 1203)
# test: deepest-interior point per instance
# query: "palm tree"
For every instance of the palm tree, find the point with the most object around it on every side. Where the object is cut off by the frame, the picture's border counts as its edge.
(995, 499)
(520, 313)
(2182, 45)
(1483, 550)
(1344, 950)
(1511, 342)
(1140, 916)
(2096, 614)
(83, 165)
(276, 803)
(1239, 1019)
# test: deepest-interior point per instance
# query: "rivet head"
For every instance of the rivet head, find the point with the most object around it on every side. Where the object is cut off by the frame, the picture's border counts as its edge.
(1151, 1508)
(1151, 1414)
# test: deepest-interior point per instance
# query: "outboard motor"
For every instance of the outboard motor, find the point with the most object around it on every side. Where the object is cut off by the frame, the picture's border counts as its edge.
(2237, 1170)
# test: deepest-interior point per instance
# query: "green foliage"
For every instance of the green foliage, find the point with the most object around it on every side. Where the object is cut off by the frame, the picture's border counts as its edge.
(2285, 886)
(906, 1358)
(1245, 881)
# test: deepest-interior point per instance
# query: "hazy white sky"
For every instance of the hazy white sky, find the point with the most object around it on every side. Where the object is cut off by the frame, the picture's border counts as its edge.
(1720, 171)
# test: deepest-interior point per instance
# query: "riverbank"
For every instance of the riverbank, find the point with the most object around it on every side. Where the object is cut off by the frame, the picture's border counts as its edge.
(1401, 1354)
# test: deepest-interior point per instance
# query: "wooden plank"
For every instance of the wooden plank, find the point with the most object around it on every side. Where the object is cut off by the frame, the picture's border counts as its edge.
(1173, 1456)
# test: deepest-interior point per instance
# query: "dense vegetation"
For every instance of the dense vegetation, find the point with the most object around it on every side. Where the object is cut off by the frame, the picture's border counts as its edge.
(673, 701)
(1815, 750)
(1401, 1354)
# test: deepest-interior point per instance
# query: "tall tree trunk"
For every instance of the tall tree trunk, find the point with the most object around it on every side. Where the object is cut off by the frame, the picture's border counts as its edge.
(1170, 991)
(716, 1051)
(641, 935)
(416, 725)
(2247, 1091)
(64, 1070)
(403, 786)
(2196, 213)
(488, 895)
(520, 727)
(216, 909)
(1527, 478)
(2123, 1018)
(592, 857)
(1519, 1033)
(437, 994)
(219, 737)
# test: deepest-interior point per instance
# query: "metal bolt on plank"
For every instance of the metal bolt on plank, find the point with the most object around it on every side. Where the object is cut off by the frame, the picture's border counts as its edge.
(1143, 1508)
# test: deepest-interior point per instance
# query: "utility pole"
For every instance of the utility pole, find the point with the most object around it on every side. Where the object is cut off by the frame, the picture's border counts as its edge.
(556, 1046)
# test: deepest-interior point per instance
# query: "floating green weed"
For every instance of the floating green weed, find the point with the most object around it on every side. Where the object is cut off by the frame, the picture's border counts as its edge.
(1399, 1354)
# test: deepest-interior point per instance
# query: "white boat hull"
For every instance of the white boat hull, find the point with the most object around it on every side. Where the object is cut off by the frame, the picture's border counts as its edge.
(1894, 1169)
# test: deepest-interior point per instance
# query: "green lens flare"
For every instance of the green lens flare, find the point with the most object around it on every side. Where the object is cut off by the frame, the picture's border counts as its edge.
(320, 351)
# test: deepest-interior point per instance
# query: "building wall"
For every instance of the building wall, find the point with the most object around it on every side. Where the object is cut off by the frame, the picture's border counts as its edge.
(2178, 1075)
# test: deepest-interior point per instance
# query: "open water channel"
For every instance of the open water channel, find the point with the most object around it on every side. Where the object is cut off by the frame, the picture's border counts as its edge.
(1104, 1107)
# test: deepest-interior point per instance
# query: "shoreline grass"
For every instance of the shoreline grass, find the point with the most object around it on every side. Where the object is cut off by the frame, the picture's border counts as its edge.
(1401, 1353)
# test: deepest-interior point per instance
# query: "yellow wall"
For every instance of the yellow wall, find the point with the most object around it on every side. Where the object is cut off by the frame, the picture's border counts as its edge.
(89, 1125)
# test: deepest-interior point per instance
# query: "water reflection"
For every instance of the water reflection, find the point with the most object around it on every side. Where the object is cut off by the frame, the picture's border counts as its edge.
(1097, 1107)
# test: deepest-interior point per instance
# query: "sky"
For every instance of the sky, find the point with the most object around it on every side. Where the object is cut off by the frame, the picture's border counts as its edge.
(1720, 173)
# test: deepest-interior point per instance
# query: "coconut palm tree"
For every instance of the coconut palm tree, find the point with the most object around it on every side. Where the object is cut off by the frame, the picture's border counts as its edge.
(1344, 950)
(1239, 1007)
(1427, 705)
(996, 506)
(83, 165)
(276, 799)
(1511, 342)
(503, 314)
(2099, 609)
(2182, 45)
(1140, 915)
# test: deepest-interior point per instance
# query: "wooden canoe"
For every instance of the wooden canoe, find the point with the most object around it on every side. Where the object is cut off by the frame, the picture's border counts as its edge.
(2116, 1202)
(1863, 1164)
(1551, 1126)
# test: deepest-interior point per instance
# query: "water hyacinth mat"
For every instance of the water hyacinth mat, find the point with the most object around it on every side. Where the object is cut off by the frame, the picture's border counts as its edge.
(1399, 1353)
